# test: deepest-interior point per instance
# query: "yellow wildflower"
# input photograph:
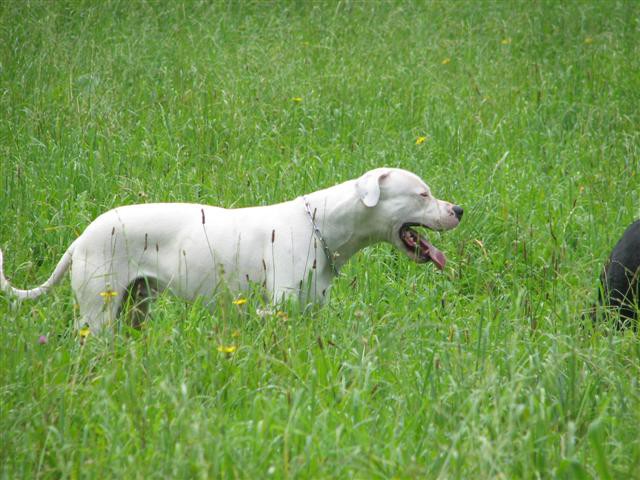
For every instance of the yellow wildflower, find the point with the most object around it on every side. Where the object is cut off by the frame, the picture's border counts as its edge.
(420, 140)
(296, 99)
(84, 332)
(446, 61)
(227, 348)
(107, 295)
(240, 301)
(506, 41)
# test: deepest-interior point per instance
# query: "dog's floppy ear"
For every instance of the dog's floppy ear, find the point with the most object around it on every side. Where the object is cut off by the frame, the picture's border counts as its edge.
(368, 186)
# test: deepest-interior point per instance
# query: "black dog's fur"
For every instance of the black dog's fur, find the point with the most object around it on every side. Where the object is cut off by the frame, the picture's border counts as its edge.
(619, 281)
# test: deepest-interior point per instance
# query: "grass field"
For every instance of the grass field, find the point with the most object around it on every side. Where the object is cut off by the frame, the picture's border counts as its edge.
(529, 113)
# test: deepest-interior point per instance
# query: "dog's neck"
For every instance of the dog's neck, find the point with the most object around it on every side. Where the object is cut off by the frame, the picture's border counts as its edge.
(349, 232)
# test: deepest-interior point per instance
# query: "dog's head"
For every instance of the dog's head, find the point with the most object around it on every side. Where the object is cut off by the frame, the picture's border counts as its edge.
(399, 200)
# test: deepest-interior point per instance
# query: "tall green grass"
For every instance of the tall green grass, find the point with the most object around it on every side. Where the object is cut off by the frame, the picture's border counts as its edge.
(530, 113)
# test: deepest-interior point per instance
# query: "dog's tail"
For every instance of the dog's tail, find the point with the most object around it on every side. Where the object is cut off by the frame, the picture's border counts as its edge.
(61, 268)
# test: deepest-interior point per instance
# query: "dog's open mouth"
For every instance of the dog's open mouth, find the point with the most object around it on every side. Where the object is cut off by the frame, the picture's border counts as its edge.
(417, 245)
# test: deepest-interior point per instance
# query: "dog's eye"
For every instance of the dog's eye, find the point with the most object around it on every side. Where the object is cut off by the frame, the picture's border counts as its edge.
(424, 194)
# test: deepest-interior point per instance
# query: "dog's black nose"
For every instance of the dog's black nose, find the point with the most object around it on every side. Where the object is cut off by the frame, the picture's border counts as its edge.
(458, 211)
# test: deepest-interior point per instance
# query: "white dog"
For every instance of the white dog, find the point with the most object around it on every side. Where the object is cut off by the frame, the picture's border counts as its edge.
(292, 248)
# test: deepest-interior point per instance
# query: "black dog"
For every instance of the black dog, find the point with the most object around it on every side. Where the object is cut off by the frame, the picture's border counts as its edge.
(619, 281)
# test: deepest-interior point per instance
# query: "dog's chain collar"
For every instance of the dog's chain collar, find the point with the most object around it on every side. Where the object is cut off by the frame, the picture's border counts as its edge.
(327, 251)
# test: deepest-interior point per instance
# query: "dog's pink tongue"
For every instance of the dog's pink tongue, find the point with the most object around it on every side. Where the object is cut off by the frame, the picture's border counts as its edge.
(435, 255)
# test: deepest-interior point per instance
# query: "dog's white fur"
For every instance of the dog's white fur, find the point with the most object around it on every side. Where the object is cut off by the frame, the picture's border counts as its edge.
(193, 250)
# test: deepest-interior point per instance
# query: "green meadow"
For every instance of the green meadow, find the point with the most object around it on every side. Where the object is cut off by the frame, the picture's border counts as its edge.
(525, 113)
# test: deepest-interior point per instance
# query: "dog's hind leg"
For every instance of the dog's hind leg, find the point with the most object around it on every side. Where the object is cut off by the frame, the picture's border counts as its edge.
(98, 308)
(99, 293)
